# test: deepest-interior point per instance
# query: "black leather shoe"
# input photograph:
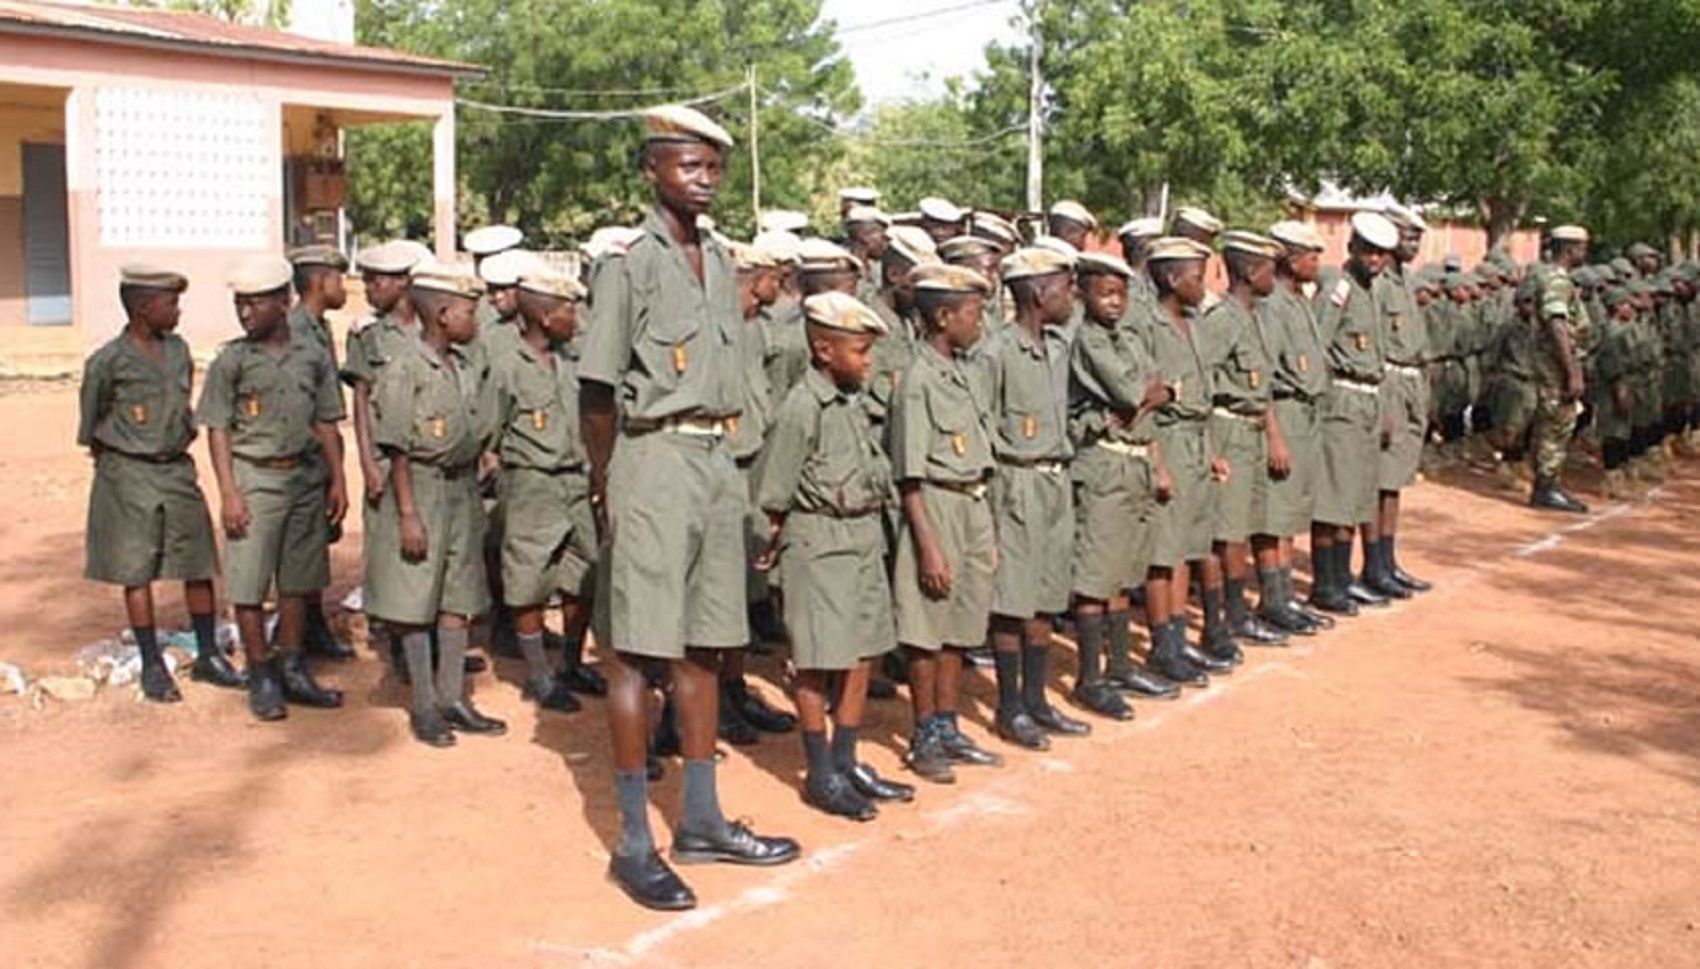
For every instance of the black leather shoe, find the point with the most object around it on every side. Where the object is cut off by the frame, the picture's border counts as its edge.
(1020, 729)
(1410, 581)
(734, 729)
(552, 694)
(1177, 668)
(1204, 661)
(648, 881)
(880, 688)
(265, 692)
(465, 718)
(1256, 632)
(1142, 683)
(1338, 603)
(1052, 720)
(157, 684)
(1365, 596)
(1221, 645)
(927, 759)
(216, 668)
(1321, 620)
(835, 795)
(756, 712)
(430, 728)
(1287, 620)
(1101, 698)
(1383, 585)
(1553, 498)
(962, 750)
(585, 679)
(872, 785)
(301, 689)
(324, 645)
(736, 845)
(475, 664)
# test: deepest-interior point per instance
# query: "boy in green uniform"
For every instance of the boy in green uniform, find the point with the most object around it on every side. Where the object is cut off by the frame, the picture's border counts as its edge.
(1032, 501)
(1118, 472)
(1349, 306)
(824, 484)
(270, 407)
(431, 420)
(660, 375)
(1298, 380)
(1247, 435)
(1176, 266)
(907, 247)
(941, 459)
(549, 544)
(147, 516)
(319, 288)
(1614, 368)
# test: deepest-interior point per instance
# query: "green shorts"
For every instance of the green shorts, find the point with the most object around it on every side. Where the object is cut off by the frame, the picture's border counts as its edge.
(450, 578)
(147, 521)
(1114, 507)
(758, 585)
(1290, 501)
(1033, 514)
(1404, 402)
(962, 524)
(1451, 389)
(549, 538)
(1238, 508)
(1351, 454)
(1183, 522)
(673, 571)
(286, 542)
(837, 595)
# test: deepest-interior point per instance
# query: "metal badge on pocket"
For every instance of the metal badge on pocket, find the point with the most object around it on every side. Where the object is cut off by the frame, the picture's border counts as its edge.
(139, 414)
(1360, 340)
(959, 443)
(679, 359)
(1029, 426)
(540, 419)
(1256, 378)
(251, 406)
(439, 427)
(1304, 363)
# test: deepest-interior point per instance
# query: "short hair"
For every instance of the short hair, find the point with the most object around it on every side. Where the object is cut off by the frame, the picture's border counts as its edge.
(1240, 263)
(1164, 272)
(426, 302)
(1025, 289)
(131, 297)
(305, 273)
(929, 303)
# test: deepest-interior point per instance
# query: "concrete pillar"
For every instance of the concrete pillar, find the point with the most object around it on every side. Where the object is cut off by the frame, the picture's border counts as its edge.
(443, 185)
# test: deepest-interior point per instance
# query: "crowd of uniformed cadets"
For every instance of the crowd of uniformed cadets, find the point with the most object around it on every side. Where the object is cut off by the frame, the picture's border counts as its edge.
(937, 439)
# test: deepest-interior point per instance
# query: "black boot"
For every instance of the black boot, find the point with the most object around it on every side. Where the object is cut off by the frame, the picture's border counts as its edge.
(578, 677)
(1035, 663)
(1550, 497)
(1378, 575)
(301, 689)
(551, 693)
(1101, 698)
(877, 788)
(1121, 673)
(833, 794)
(466, 718)
(1404, 578)
(1166, 660)
(1359, 592)
(320, 641)
(753, 710)
(1242, 624)
(212, 666)
(265, 691)
(1205, 661)
(1328, 588)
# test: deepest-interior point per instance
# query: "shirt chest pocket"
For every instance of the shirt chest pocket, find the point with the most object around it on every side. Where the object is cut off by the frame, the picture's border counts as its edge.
(537, 413)
(671, 318)
(139, 398)
(1248, 366)
(954, 423)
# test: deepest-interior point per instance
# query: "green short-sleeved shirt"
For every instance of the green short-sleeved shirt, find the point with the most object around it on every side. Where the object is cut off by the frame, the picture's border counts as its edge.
(1405, 334)
(1351, 318)
(937, 425)
(823, 455)
(432, 408)
(1297, 358)
(1027, 382)
(131, 404)
(535, 398)
(1109, 368)
(785, 346)
(302, 323)
(269, 402)
(756, 414)
(1176, 355)
(666, 342)
(1232, 346)
(374, 344)
(891, 356)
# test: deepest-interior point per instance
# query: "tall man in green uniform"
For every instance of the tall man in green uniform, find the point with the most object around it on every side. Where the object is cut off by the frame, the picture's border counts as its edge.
(1404, 405)
(1298, 382)
(1246, 433)
(270, 407)
(660, 376)
(147, 516)
(1561, 330)
(1350, 310)
(319, 288)
(1032, 502)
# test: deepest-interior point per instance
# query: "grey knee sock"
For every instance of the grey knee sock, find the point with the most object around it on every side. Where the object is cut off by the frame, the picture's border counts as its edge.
(416, 647)
(451, 665)
(631, 787)
(702, 801)
(531, 647)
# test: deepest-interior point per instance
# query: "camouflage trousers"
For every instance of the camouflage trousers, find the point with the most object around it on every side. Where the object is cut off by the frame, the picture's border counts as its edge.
(1550, 433)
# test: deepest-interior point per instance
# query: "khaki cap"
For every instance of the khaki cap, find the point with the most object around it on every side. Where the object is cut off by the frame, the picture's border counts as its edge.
(746, 256)
(1035, 261)
(390, 258)
(492, 239)
(1173, 248)
(421, 251)
(260, 274)
(610, 239)
(1056, 244)
(1376, 229)
(318, 256)
(990, 225)
(506, 267)
(1199, 219)
(457, 279)
(1239, 240)
(911, 243)
(1144, 227)
(965, 247)
(940, 210)
(841, 311)
(1074, 212)
(866, 213)
(859, 194)
(1569, 233)
(150, 276)
(1102, 264)
(1404, 217)
(945, 278)
(675, 122)
(783, 246)
(822, 256)
(783, 220)
(1301, 236)
(549, 281)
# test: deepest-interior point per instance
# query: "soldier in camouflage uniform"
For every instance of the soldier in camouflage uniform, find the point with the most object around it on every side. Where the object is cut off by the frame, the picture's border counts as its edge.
(1562, 328)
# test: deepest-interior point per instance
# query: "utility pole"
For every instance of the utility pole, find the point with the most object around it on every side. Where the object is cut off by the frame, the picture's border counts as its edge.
(755, 150)
(1035, 97)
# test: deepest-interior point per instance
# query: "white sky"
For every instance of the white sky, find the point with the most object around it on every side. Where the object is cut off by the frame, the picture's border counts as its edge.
(911, 59)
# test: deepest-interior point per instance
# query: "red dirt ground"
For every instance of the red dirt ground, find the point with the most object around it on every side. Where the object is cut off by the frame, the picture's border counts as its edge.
(1502, 773)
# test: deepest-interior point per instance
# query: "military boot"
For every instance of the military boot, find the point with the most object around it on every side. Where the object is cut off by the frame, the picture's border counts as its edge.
(1549, 496)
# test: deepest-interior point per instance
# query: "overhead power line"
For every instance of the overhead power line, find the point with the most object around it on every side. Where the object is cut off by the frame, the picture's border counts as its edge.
(919, 15)
(554, 114)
